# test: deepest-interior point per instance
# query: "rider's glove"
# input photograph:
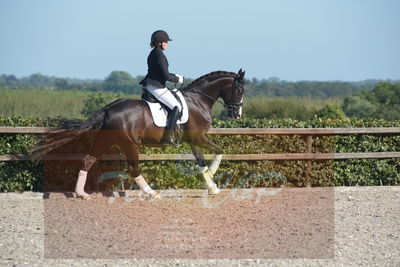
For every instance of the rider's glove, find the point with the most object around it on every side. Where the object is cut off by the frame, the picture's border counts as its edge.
(180, 78)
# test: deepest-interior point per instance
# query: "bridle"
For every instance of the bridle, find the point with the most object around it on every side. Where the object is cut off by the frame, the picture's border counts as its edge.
(229, 106)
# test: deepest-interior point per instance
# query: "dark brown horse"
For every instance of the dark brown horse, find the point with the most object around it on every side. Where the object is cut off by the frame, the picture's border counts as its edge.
(128, 123)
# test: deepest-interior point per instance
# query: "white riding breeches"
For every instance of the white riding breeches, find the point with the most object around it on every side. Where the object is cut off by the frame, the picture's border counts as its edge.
(165, 96)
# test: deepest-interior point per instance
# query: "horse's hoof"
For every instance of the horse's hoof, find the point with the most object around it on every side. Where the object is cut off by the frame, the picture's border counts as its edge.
(214, 190)
(154, 195)
(83, 196)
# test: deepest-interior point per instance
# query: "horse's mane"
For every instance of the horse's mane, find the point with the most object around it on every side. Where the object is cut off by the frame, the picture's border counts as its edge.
(205, 76)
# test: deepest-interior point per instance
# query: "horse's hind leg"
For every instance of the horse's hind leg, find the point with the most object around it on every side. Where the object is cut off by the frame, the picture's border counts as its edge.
(88, 162)
(100, 146)
(132, 154)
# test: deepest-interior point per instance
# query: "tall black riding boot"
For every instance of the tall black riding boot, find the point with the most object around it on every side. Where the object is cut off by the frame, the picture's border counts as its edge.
(168, 137)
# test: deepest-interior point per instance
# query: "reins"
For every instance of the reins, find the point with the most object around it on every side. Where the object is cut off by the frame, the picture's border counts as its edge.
(210, 97)
(228, 106)
(201, 93)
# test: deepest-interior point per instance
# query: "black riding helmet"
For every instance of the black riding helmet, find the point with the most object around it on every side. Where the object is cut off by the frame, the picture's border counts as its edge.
(160, 36)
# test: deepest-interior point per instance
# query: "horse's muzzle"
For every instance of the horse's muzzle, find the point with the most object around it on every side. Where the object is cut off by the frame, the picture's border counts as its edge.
(235, 113)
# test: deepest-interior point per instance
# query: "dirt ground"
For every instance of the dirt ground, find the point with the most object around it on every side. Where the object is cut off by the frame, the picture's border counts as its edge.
(279, 227)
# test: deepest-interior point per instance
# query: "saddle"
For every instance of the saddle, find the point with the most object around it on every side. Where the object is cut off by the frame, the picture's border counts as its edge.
(160, 111)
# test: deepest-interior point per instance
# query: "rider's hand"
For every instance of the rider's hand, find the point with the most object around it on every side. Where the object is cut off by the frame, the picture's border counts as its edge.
(180, 78)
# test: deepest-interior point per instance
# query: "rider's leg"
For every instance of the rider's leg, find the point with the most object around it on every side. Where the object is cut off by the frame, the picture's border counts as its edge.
(166, 97)
(168, 137)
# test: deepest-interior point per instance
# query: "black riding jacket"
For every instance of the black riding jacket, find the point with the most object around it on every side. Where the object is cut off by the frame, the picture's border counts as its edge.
(158, 73)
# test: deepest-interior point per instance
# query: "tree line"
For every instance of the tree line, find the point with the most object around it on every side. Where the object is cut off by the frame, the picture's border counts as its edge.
(117, 81)
(272, 98)
(382, 102)
(123, 82)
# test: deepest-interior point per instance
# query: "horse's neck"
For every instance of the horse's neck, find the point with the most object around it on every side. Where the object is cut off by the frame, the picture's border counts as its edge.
(204, 96)
(215, 88)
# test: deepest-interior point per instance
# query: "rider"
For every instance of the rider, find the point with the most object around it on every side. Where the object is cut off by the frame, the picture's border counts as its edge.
(155, 80)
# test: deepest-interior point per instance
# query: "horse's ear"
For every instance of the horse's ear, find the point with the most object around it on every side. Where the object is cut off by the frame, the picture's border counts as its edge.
(240, 74)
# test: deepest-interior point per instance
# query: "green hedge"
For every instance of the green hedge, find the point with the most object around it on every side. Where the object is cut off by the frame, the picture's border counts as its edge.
(324, 173)
(21, 176)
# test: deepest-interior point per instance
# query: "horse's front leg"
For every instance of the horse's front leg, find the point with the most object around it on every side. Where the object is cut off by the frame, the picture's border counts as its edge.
(215, 163)
(207, 144)
(205, 171)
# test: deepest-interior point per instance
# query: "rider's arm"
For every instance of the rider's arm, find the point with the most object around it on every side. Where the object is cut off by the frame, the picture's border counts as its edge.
(163, 64)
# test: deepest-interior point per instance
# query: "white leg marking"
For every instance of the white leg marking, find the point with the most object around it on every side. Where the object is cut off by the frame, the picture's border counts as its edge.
(144, 186)
(215, 164)
(208, 177)
(80, 185)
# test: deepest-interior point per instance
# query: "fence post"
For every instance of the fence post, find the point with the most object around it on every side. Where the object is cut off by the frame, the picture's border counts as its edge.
(309, 142)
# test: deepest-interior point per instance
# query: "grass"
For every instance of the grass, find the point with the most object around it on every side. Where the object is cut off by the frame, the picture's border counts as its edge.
(44, 103)
(69, 104)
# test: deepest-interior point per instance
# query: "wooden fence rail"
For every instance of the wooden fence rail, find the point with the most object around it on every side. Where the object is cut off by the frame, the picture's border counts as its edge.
(307, 133)
(246, 131)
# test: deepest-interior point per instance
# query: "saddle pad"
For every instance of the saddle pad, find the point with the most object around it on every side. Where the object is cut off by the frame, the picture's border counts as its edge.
(159, 114)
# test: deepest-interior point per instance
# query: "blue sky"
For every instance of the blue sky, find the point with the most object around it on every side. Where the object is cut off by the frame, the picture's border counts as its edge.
(347, 40)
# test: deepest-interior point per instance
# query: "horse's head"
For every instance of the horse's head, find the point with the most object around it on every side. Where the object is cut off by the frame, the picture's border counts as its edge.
(233, 96)
(228, 85)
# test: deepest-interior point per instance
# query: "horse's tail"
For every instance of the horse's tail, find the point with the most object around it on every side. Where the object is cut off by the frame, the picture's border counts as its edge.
(70, 130)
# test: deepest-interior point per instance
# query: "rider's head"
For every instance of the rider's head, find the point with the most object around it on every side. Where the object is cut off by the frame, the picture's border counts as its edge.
(160, 38)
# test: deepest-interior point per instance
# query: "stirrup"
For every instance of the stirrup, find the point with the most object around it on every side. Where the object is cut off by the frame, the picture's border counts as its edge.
(169, 141)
